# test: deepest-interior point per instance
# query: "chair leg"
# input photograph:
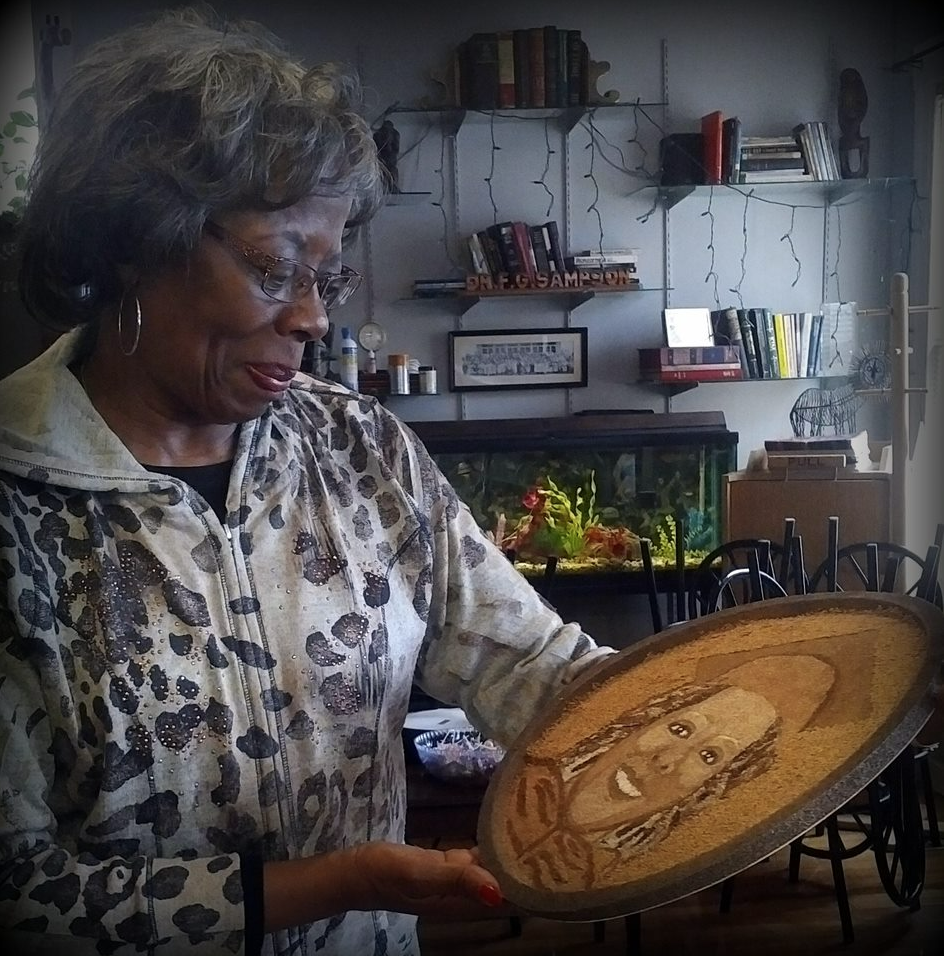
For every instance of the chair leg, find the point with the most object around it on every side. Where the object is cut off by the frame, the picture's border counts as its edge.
(727, 893)
(839, 878)
(930, 801)
(633, 934)
(796, 851)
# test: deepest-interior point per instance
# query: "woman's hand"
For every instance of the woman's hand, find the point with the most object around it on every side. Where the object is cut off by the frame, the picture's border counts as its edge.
(440, 884)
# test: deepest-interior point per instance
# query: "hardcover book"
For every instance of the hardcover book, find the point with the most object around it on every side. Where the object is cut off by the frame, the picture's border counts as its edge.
(550, 65)
(669, 356)
(730, 149)
(541, 261)
(552, 239)
(522, 58)
(694, 373)
(482, 65)
(536, 66)
(711, 132)
(506, 70)
(749, 340)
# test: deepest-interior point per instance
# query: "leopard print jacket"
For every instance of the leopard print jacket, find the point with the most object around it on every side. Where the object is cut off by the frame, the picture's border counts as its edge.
(176, 693)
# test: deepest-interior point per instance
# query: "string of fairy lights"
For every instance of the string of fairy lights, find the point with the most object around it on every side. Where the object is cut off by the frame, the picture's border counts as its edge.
(599, 150)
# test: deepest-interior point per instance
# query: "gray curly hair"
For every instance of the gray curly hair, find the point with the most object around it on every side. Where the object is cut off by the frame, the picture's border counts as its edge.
(164, 125)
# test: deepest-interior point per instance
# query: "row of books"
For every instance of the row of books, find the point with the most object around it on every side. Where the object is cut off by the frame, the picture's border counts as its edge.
(772, 344)
(721, 153)
(516, 248)
(818, 149)
(529, 68)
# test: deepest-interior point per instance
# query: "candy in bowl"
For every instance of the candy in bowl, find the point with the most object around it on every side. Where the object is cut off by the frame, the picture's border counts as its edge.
(458, 756)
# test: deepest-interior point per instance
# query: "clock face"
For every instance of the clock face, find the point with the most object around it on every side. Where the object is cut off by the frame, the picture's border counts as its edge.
(371, 336)
(873, 369)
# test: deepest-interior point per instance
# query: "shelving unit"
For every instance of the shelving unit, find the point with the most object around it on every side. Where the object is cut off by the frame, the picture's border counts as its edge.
(831, 192)
(571, 298)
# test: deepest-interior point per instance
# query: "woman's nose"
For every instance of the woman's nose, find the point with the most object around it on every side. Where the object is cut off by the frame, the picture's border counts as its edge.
(305, 319)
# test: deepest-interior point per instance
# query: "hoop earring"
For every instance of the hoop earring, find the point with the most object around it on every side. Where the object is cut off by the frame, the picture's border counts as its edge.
(137, 326)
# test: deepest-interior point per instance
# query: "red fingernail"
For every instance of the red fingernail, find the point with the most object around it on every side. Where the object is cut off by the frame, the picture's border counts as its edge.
(490, 895)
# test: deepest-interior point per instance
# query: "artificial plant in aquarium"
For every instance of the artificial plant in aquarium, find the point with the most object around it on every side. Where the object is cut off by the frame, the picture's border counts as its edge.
(566, 525)
(588, 508)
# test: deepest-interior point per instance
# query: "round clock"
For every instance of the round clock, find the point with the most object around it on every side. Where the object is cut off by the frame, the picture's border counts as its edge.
(371, 337)
(872, 368)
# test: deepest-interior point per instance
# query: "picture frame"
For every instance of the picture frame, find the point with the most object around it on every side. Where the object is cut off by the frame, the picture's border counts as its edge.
(498, 359)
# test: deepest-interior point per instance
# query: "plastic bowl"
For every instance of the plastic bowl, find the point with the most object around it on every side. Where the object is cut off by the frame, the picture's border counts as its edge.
(458, 756)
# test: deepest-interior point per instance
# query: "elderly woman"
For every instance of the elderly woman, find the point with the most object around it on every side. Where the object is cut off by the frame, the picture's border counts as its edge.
(220, 576)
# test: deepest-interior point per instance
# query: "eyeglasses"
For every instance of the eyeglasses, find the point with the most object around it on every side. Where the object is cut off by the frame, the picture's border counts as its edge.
(287, 280)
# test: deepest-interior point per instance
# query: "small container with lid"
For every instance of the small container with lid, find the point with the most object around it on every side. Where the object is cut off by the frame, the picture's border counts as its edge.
(399, 365)
(427, 380)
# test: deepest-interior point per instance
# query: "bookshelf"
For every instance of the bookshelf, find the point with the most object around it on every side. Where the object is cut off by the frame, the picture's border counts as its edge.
(830, 192)
(570, 299)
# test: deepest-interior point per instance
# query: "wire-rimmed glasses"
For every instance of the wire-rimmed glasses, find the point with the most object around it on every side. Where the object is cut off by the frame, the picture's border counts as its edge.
(287, 280)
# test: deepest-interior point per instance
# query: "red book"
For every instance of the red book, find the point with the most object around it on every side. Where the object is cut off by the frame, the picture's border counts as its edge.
(694, 373)
(523, 245)
(506, 70)
(711, 135)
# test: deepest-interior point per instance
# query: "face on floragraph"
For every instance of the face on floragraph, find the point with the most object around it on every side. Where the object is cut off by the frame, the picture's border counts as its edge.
(657, 766)
(214, 347)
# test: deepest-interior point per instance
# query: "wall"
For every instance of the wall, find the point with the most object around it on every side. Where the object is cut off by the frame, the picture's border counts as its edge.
(770, 63)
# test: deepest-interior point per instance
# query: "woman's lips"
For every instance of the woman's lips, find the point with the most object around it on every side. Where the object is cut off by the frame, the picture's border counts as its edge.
(271, 377)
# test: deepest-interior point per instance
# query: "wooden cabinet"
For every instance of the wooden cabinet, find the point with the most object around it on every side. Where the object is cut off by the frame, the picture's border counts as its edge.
(756, 503)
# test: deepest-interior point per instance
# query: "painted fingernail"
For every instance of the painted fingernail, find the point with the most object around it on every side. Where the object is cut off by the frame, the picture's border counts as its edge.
(490, 895)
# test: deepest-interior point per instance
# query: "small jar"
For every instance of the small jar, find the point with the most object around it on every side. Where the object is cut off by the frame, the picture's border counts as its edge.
(399, 365)
(427, 380)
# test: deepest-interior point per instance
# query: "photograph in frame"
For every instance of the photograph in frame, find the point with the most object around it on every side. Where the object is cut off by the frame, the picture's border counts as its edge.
(492, 360)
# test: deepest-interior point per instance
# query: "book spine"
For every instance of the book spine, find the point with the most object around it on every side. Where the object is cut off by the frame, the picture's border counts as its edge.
(539, 249)
(829, 154)
(522, 57)
(562, 68)
(506, 69)
(755, 165)
(523, 247)
(492, 253)
(730, 149)
(695, 374)
(552, 237)
(780, 344)
(711, 124)
(550, 66)
(765, 326)
(816, 345)
(690, 355)
(803, 363)
(789, 150)
(509, 251)
(574, 65)
(600, 262)
(536, 65)
(483, 71)
(477, 253)
(746, 322)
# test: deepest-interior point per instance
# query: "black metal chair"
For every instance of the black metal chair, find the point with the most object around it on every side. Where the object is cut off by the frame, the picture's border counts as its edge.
(886, 817)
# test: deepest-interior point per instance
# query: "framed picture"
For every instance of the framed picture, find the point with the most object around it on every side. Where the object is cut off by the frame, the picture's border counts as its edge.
(526, 358)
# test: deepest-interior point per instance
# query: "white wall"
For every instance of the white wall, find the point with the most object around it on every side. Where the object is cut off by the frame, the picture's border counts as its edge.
(772, 64)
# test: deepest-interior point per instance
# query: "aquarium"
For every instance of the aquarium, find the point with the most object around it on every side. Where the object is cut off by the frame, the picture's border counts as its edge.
(585, 489)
